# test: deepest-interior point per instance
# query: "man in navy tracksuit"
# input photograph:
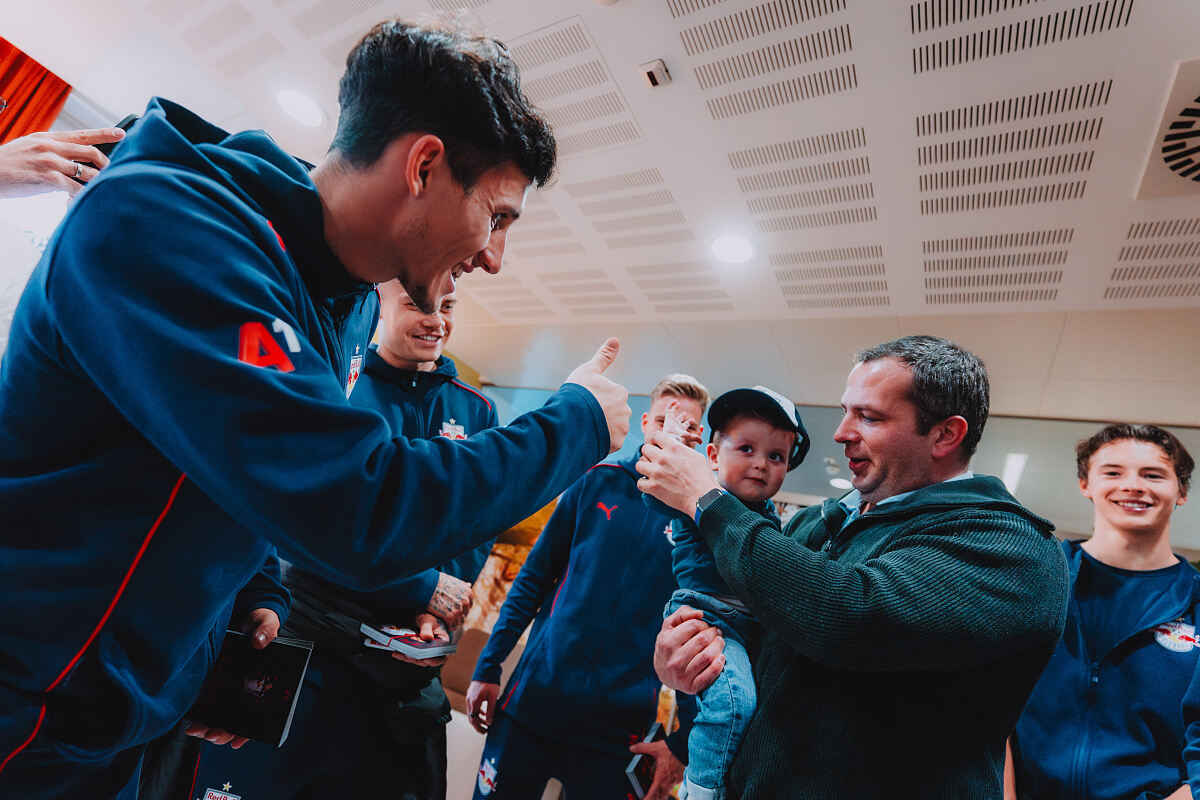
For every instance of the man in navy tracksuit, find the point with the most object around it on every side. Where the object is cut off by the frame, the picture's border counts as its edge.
(173, 400)
(1116, 714)
(585, 689)
(368, 725)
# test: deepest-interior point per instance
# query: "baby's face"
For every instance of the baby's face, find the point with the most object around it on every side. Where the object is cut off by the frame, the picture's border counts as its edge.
(751, 458)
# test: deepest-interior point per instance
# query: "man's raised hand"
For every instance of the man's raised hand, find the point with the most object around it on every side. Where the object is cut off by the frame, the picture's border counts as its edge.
(612, 397)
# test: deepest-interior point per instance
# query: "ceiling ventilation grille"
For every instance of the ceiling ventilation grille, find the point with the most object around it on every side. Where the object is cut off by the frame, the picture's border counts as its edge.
(572, 276)
(1156, 273)
(1004, 198)
(455, 5)
(658, 208)
(832, 278)
(1053, 277)
(1001, 276)
(845, 271)
(659, 219)
(1059, 135)
(223, 24)
(1164, 228)
(792, 90)
(628, 203)
(1012, 296)
(507, 296)
(831, 303)
(537, 234)
(835, 287)
(615, 183)
(795, 149)
(541, 251)
(1147, 251)
(823, 219)
(538, 216)
(572, 79)
(819, 197)
(1061, 26)
(681, 287)
(1168, 281)
(646, 239)
(774, 58)
(319, 18)
(1008, 171)
(850, 202)
(799, 176)
(680, 8)
(534, 51)
(755, 21)
(823, 256)
(999, 241)
(1037, 258)
(565, 75)
(933, 14)
(1057, 101)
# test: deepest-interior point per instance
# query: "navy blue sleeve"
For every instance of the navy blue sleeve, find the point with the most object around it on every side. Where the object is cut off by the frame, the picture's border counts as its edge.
(545, 568)
(151, 313)
(264, 590)
(1191, 721)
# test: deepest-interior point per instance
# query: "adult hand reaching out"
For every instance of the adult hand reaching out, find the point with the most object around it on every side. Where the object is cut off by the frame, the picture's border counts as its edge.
(481, 704)
(49, 161)
(674, 473)
(612, 397)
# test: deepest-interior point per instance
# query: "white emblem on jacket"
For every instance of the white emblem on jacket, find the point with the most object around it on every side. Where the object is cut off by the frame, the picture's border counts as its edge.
(1176, 636)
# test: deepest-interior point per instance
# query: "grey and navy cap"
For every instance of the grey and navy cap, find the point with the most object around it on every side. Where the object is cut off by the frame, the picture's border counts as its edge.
(768, 403)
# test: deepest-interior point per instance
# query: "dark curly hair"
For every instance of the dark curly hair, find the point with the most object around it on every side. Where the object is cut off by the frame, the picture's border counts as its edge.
(464, 88)
(948, 381)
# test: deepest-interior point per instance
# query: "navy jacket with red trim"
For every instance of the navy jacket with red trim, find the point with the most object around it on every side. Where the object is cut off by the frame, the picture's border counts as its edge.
(173, 404)
(594, 585)
(420, 405)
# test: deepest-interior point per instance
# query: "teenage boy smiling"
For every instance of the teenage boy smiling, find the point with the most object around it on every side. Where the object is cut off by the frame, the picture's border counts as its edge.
(1116, 714)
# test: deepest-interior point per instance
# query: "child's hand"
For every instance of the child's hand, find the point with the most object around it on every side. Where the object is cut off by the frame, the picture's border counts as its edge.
(678, 425)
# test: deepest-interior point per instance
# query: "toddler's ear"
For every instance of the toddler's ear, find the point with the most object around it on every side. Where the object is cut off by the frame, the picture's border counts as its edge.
(712, 450)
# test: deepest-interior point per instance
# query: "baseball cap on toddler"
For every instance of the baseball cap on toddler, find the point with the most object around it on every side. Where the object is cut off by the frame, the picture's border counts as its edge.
(770, 404)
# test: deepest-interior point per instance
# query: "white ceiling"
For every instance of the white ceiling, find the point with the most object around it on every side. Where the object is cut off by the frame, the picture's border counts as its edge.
(989, 171)
(957, 167)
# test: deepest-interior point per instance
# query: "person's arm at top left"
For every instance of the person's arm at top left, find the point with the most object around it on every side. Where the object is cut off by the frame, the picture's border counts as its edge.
(277, 445)
(49, 161)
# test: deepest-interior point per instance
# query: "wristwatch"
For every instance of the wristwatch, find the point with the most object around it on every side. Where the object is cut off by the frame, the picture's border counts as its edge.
(706, 500)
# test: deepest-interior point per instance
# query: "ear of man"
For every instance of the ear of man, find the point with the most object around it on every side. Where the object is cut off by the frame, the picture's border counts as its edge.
(423, 155)
(947, 437)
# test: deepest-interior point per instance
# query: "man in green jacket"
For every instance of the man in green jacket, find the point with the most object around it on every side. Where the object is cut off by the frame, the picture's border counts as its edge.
(904, 624)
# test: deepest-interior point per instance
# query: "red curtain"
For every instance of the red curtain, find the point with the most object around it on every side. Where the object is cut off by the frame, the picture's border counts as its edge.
(35, 95)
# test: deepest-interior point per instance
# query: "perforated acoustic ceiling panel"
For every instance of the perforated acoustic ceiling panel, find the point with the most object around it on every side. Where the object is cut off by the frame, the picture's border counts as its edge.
(566, 76)
(1160, 260)
(769, 55)
(825, 178)
(1017, 267)
(631, 209)
(969, 164)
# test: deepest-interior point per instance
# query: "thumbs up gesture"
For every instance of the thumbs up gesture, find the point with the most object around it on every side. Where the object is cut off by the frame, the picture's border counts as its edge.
(612, 397)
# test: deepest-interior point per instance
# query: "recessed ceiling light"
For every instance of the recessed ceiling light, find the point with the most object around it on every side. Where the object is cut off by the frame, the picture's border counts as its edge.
(840, 483)
(301, 108)
(732, 249)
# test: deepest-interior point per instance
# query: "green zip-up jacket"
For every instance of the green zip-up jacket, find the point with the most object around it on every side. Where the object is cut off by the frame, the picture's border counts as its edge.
(898, 652)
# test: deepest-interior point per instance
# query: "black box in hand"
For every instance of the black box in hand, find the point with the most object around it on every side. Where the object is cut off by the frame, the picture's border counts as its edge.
(641, 768)
(251, 692)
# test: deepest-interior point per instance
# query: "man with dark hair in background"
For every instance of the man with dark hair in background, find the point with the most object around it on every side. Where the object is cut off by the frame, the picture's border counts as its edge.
(173, 402)
(904, 624)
